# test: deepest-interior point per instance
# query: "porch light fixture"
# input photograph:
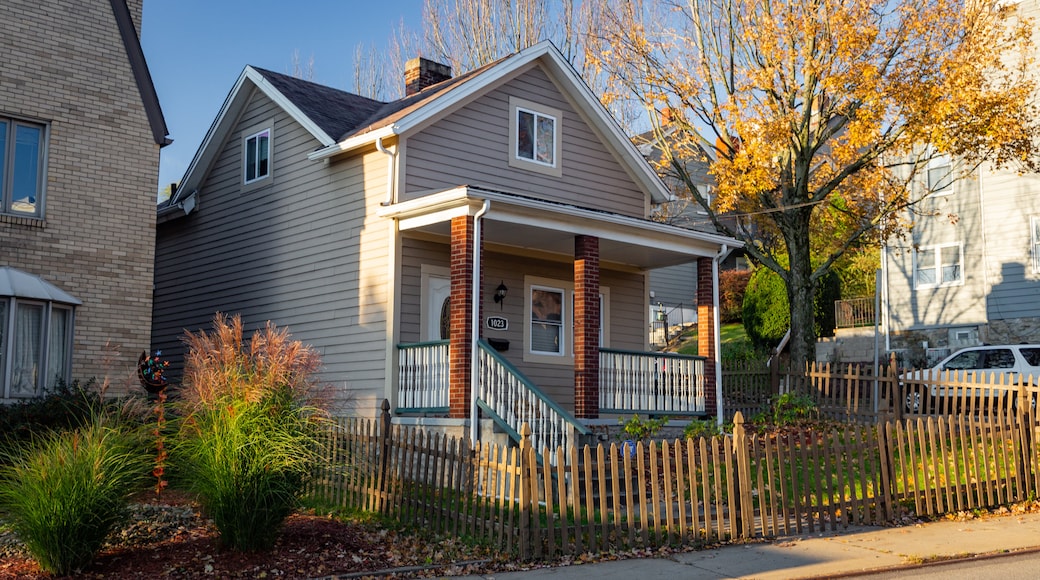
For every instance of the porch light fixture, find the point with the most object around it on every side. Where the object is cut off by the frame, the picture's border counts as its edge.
(500, 294)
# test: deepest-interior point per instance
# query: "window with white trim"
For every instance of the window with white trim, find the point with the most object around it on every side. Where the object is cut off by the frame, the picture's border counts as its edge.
(940, 175)
(549, 320)
(1034, 243)
(939, 265)
(23, 149)
(546, 322)
(534, 136)
(257, 156)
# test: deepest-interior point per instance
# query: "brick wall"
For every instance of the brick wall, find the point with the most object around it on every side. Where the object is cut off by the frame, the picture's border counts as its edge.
(460, 308)
(706, 330)
(586, 327)
(64, 64)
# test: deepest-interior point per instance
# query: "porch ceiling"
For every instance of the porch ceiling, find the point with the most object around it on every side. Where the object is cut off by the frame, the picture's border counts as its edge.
(535, 225)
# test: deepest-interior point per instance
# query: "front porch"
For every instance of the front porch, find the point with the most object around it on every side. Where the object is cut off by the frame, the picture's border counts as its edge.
(523, 311)
(645, 383)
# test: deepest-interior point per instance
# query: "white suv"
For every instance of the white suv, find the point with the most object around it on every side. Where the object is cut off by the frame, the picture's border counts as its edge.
(1004, 364)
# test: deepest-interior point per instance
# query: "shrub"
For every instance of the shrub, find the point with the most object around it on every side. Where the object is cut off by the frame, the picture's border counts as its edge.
(64, 407)
(789, 409)
(732, 284)
(767, 315)
(698, 428)
(63, 493)
(636, 429)
(249, 435)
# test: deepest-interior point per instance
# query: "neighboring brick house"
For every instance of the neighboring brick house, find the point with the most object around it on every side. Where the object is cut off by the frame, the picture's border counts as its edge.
(80, 133)
(354, 223)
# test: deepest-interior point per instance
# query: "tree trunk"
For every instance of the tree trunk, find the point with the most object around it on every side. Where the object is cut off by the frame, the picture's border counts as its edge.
(800, 287)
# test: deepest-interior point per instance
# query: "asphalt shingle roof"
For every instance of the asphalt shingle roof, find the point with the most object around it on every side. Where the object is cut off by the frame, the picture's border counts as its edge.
(336, 112)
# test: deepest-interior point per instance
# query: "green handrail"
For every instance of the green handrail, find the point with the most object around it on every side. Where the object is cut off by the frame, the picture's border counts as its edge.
(570, 419)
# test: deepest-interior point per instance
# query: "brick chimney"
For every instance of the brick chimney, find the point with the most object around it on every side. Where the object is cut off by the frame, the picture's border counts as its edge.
(420, 73)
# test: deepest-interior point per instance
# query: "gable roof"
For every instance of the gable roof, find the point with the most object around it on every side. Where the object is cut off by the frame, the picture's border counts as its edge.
(344, 122)
(336, 112)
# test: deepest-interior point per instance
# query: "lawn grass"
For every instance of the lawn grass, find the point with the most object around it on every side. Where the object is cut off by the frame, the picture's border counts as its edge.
(732, 334)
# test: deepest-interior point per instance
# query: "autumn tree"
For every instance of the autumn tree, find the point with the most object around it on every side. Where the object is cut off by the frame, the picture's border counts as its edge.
(823, 113)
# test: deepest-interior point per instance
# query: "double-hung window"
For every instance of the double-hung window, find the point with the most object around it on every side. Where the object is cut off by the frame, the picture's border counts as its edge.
(534, 133)
(22, 153)
(550, 324)
(547, 317)
(940, 175)
(940, 265)
(257, 156)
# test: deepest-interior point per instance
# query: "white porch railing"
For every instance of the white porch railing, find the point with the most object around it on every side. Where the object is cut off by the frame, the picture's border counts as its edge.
(422, 376)
(512, 399)
(643, 382)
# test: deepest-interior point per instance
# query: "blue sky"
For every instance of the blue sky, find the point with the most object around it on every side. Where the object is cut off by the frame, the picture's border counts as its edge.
(197, 48)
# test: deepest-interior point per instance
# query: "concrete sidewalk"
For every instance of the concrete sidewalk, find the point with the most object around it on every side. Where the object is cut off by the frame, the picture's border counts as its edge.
(846, 552)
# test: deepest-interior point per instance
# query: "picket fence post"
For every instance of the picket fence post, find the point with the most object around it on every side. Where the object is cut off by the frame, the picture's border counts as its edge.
(526, 485)
(745, 504)
(382, 493)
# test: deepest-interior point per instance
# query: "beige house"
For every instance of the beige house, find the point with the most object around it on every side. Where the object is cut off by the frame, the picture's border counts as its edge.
(479, 247)
(80, 133)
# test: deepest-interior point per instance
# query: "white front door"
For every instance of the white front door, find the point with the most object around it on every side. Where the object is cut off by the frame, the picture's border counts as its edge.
(436, 298)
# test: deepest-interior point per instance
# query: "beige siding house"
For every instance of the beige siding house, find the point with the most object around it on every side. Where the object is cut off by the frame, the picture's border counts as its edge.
(80, 133)
(478, 248)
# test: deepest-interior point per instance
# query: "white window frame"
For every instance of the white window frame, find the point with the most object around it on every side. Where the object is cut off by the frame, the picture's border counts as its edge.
(43, 382)
(938, 266)
(567, 333)
(1034, 242)
(518, 105)
(564, 323)
(7, 164)
(256, 132)
(937, 162)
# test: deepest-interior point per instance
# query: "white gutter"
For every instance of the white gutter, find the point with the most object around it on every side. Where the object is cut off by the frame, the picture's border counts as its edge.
(716, 328)
(474, 361)
(390, 163)
(187, 205)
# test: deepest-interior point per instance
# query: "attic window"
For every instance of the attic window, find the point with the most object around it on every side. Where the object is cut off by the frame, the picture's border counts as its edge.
(257, 156)
(534, 136)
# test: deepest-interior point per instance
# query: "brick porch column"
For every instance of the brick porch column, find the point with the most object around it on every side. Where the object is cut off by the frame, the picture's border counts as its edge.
(706, 331)
(586, 327)
(461, 324)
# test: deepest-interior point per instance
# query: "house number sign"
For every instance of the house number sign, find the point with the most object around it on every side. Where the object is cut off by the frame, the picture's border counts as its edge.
(497, 323)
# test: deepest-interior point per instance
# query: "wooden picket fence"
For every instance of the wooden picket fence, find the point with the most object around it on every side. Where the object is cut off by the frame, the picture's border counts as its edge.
(680, 492)
(852, 393)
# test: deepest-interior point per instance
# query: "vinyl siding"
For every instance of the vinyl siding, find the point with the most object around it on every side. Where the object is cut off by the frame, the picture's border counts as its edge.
(304, 251)
(1011, 202)
(471, 147)
(920, 308)
(675, 285)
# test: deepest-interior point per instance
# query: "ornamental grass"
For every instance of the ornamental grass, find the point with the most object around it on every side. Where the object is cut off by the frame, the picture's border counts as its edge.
(248, 437)
(64, 492)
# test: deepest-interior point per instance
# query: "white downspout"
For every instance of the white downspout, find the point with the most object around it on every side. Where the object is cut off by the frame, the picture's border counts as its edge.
(474, 360)
(716, 328)
(391, 162)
